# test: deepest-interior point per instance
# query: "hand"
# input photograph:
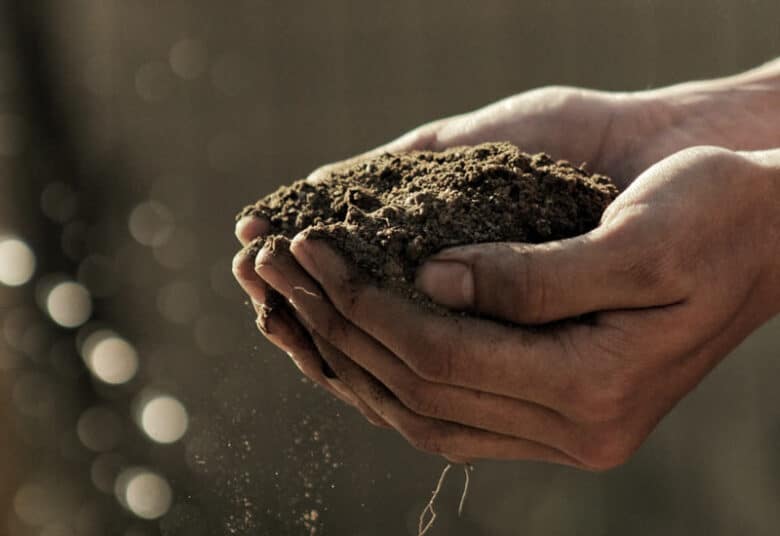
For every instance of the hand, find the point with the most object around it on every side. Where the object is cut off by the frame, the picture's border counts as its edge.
(618, 134)
(580, 125)
(683, 267)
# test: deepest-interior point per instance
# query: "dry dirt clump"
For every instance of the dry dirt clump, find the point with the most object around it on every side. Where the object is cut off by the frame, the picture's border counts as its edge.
(389, 213)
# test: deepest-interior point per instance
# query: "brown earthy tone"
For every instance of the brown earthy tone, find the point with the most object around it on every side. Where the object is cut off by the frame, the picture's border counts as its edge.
(389, 213)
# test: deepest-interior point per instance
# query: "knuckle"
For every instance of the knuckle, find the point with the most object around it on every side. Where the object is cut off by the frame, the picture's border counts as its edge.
(419, 399)
(432, 366)
(527, 284)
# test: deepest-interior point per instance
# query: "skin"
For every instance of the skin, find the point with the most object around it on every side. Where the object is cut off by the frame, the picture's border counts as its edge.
(683, 266)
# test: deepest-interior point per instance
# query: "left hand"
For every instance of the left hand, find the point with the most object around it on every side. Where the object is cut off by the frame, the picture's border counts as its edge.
(682, 268)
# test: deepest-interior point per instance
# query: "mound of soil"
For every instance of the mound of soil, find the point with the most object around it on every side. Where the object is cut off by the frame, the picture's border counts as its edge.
(389, 213)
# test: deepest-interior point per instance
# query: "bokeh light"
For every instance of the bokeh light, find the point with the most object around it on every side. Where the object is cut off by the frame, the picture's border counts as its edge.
(109, 357)
(189, 59)
(69, 304)
(99, 429)
(164, 419)
(17, 262)
(43, 502)
(151, 223)
(145, 493)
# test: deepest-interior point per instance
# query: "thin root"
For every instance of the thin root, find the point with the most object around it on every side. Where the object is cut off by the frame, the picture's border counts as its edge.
(423, 527)
(307, 292)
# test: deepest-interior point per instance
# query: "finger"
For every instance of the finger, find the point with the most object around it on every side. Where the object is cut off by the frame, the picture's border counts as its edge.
(281, 328)
(487, 411)
(539, 283)
(297, 337)
(537, 365)
(244, 272)
(250, 226)
(432, 435)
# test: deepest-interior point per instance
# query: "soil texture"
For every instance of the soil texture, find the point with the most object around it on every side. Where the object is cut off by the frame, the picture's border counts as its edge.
(387, 214)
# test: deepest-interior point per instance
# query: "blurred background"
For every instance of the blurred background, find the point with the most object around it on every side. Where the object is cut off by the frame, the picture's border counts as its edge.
(136, 396)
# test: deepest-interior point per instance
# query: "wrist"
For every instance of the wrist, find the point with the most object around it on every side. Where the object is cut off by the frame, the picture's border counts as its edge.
(767, 164)
(740, 112)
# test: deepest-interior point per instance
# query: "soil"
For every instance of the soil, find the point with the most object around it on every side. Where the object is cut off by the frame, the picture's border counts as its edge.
(389, 213)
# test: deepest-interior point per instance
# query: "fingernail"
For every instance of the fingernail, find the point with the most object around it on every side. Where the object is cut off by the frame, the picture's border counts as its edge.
(449, 283)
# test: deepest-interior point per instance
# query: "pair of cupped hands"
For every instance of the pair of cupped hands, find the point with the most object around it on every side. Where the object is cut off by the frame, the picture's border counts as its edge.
(683, 266)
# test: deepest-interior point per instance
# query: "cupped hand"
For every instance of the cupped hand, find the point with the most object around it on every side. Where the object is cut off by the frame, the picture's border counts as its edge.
(576, 124)
(617, 134)
(682, 268)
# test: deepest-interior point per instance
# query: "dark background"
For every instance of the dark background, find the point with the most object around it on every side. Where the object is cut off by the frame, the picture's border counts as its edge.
(202, 107)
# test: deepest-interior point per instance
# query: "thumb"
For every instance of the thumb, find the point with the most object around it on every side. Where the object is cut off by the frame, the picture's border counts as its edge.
(539, 283)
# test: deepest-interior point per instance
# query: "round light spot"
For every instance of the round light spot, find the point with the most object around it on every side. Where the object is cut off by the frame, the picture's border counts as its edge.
(178, 302)
(189, 59)
(111, 359)
(69, 304)
(151, 223)
(146, 494)
(154, 81)
(99, 429)
(37, 504)
(164, 419)
(17, 262)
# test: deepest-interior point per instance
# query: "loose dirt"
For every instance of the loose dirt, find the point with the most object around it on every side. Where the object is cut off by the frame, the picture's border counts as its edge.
(387, 214)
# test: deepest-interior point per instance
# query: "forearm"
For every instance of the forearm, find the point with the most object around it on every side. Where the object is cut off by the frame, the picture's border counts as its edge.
(740, 112)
